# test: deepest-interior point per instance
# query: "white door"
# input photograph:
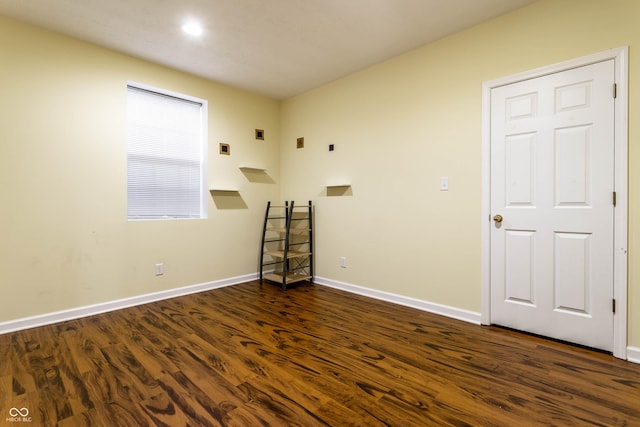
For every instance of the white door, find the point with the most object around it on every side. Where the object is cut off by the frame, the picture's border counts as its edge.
(552, 183)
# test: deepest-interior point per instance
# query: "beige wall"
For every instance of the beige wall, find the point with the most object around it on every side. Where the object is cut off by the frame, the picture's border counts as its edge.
(400, 126)
(65, 238)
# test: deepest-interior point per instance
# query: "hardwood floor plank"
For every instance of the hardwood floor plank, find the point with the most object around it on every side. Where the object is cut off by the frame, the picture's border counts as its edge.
(118, 412)
(262, 395)
(183, 397)
(212, 359)
(333, 410)
(254, 355)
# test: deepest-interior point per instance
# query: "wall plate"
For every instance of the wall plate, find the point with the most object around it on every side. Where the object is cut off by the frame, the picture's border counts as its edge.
(225, 149)
(444, 184)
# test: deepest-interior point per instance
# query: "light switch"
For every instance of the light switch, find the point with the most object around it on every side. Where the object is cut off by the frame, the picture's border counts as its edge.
(444, 184)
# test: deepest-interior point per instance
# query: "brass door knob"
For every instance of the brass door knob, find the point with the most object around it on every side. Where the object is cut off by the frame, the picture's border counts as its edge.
(498, 218)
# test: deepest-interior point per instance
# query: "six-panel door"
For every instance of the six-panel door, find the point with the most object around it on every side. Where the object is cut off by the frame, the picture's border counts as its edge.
(552, 181)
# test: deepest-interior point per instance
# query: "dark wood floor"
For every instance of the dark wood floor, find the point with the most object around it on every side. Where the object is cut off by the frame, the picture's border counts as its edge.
(253, 355)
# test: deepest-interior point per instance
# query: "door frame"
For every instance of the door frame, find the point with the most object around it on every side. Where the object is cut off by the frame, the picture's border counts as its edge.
(620, 282)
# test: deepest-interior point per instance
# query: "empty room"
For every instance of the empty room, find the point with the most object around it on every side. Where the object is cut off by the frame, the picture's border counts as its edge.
(319, 213)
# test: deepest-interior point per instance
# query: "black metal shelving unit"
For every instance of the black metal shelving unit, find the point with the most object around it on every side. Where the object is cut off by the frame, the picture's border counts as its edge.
(286, 255)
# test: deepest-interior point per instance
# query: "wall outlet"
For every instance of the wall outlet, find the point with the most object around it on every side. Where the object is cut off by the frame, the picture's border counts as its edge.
(343, 262)
(159, 269)
(444, 184)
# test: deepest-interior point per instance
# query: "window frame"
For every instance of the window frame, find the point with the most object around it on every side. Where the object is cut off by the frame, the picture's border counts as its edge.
(204, 167)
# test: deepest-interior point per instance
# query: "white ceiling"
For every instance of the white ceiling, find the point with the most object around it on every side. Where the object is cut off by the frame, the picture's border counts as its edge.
(278, 48)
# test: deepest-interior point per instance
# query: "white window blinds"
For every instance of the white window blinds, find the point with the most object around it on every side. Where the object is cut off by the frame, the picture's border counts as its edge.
(166, 162)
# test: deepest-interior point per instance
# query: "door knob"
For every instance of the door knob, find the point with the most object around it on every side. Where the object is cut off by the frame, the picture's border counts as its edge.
(498, 218)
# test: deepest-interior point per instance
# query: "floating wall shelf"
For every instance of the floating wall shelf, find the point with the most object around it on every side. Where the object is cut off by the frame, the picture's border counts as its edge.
(226, 198)
(334, 190)
(256, 175)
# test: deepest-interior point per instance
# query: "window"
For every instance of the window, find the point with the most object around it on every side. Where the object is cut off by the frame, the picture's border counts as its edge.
(166, 154)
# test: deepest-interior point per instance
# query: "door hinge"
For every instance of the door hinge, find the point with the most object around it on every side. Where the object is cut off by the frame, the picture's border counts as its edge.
(615, 199)
(615, 90)
(613, 305)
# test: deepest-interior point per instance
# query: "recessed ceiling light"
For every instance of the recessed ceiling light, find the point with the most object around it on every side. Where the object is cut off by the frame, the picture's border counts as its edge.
(193, 29)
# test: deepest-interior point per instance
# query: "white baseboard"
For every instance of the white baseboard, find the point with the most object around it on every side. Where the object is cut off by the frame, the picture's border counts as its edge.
(443, 310)
(633, 354)
(75, 313)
